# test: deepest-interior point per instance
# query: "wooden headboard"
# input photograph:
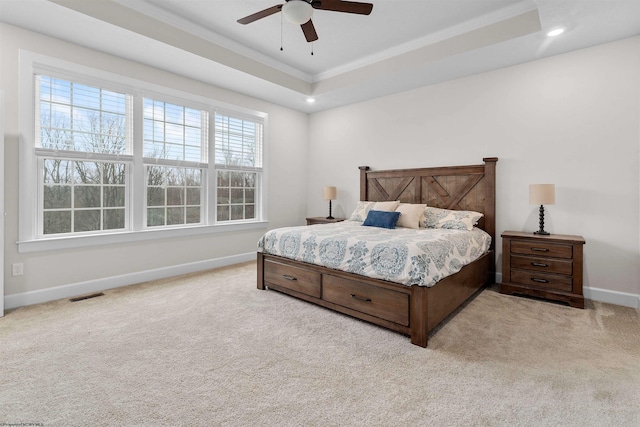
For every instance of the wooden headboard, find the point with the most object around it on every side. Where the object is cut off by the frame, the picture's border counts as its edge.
(452, 187)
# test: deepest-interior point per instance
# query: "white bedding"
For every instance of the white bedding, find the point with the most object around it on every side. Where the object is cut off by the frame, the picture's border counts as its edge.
(402, 255)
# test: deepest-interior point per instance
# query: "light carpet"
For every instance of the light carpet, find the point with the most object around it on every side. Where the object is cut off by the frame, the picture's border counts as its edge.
(209, 349)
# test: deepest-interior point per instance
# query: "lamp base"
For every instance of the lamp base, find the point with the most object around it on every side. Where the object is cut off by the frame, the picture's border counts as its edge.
(330, 217)
(541, 230)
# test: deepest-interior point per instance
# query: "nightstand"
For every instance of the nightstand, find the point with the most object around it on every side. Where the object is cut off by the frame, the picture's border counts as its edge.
(322, 220)
(549, 266)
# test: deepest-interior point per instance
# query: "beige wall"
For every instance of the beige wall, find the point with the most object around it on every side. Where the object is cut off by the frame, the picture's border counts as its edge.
(572, 120)
(286, 145)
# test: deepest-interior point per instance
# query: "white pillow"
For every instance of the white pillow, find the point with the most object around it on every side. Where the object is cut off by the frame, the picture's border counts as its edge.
(410, 215)
(445, 218)
(362, 209)
(386, 206)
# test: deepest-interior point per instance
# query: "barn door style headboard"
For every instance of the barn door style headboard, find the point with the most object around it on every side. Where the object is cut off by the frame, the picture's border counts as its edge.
(470, 188)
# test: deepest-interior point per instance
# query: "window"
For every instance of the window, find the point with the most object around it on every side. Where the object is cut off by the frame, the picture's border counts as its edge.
(238, 150)
(174, 132)
(176, 135)
(114, 159)
(83, 196)
(78, 130)
(173, 196)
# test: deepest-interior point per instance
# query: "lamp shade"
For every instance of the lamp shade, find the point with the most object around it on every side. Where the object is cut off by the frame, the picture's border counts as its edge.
(297, 11)
(542, 194)
(330, 193)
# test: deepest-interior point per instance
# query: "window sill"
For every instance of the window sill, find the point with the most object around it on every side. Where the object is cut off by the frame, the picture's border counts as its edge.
(74, 242)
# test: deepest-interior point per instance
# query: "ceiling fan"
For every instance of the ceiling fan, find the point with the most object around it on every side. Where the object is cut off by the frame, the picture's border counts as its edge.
(299, 12)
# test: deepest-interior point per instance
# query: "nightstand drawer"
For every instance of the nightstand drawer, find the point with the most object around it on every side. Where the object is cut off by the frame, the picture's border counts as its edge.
(543, 266)
(542, 249)
(541, 280)
(546, 265)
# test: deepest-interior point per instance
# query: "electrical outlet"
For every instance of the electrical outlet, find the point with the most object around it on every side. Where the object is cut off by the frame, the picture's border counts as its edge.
(17, 269)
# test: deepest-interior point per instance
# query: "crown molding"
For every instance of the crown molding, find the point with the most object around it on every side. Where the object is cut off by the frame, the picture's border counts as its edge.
(198, 30)
(456, 30)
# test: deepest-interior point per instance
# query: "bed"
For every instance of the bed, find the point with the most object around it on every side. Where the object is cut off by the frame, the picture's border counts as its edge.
(410, 309)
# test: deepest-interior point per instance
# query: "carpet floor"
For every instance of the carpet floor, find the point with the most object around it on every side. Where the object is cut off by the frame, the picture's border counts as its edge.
(209, 349)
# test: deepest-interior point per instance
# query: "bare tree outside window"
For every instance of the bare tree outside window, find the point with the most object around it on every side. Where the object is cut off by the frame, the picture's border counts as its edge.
(82, 195)
(238, 153)
(173, 133)
(84, 149)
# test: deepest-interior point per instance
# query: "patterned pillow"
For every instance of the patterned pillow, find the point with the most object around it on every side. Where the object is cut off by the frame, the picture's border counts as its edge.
(363, 208)
(445, 218)
(361, 211)
(410, 215)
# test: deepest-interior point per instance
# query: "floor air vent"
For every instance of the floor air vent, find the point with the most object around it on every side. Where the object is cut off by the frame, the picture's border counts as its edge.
(99, 294)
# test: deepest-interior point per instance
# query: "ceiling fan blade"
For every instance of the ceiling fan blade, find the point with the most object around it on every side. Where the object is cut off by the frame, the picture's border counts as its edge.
(343, 6)
(309, 31)
(259, 15)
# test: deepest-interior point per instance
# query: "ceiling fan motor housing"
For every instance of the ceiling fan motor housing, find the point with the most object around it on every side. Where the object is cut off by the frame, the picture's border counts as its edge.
(297, 11)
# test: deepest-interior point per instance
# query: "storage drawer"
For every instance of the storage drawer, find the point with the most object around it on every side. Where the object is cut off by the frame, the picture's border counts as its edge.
(379, 302)
(541, 280)
(542, 264)
(542, 249)
(292, 277)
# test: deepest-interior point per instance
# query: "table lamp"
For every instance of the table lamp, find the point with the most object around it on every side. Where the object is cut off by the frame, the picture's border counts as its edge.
(542, 194)
(330, 194)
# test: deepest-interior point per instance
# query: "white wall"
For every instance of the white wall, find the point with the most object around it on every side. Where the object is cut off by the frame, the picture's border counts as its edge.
(286, 145)
(572, 120)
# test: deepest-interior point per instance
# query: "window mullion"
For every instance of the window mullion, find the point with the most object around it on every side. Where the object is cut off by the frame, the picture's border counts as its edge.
(137, 174)
(211, 198)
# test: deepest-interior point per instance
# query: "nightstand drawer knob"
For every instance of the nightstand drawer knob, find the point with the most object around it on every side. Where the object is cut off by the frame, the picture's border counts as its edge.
(535, 279)
(290, 278)
(539, 264)
(540, 249)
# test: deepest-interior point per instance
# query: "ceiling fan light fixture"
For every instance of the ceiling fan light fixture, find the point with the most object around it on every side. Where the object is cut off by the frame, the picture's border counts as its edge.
(297, 12)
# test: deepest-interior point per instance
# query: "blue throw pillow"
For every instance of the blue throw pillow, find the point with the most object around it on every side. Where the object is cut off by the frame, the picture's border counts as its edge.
(382, 219)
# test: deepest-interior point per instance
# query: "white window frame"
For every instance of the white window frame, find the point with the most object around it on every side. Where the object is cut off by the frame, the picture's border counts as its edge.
(258, 169)
(42, 153)
(28, 239)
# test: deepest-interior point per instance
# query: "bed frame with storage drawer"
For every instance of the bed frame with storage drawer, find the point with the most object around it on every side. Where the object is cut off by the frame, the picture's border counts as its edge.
(410, 310)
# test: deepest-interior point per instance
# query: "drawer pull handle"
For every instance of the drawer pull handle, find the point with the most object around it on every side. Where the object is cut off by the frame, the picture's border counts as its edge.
(535, 279)
(539, 264)
(354, 296)
(540, 249)
(286, 276)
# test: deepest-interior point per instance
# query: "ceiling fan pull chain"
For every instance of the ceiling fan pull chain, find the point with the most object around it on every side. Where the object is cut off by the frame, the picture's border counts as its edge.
(281, 49)
(311, 48)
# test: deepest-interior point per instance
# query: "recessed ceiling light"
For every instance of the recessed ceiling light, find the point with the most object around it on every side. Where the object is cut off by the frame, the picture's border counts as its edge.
(555, 32)
(311, 100)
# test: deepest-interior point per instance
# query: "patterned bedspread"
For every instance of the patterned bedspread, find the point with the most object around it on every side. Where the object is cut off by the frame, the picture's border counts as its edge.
(402, 255)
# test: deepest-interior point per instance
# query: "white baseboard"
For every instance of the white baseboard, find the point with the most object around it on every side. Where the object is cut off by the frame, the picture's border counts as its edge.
(612, 297)
(75, 289)
(604, 295)
(81, 288)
